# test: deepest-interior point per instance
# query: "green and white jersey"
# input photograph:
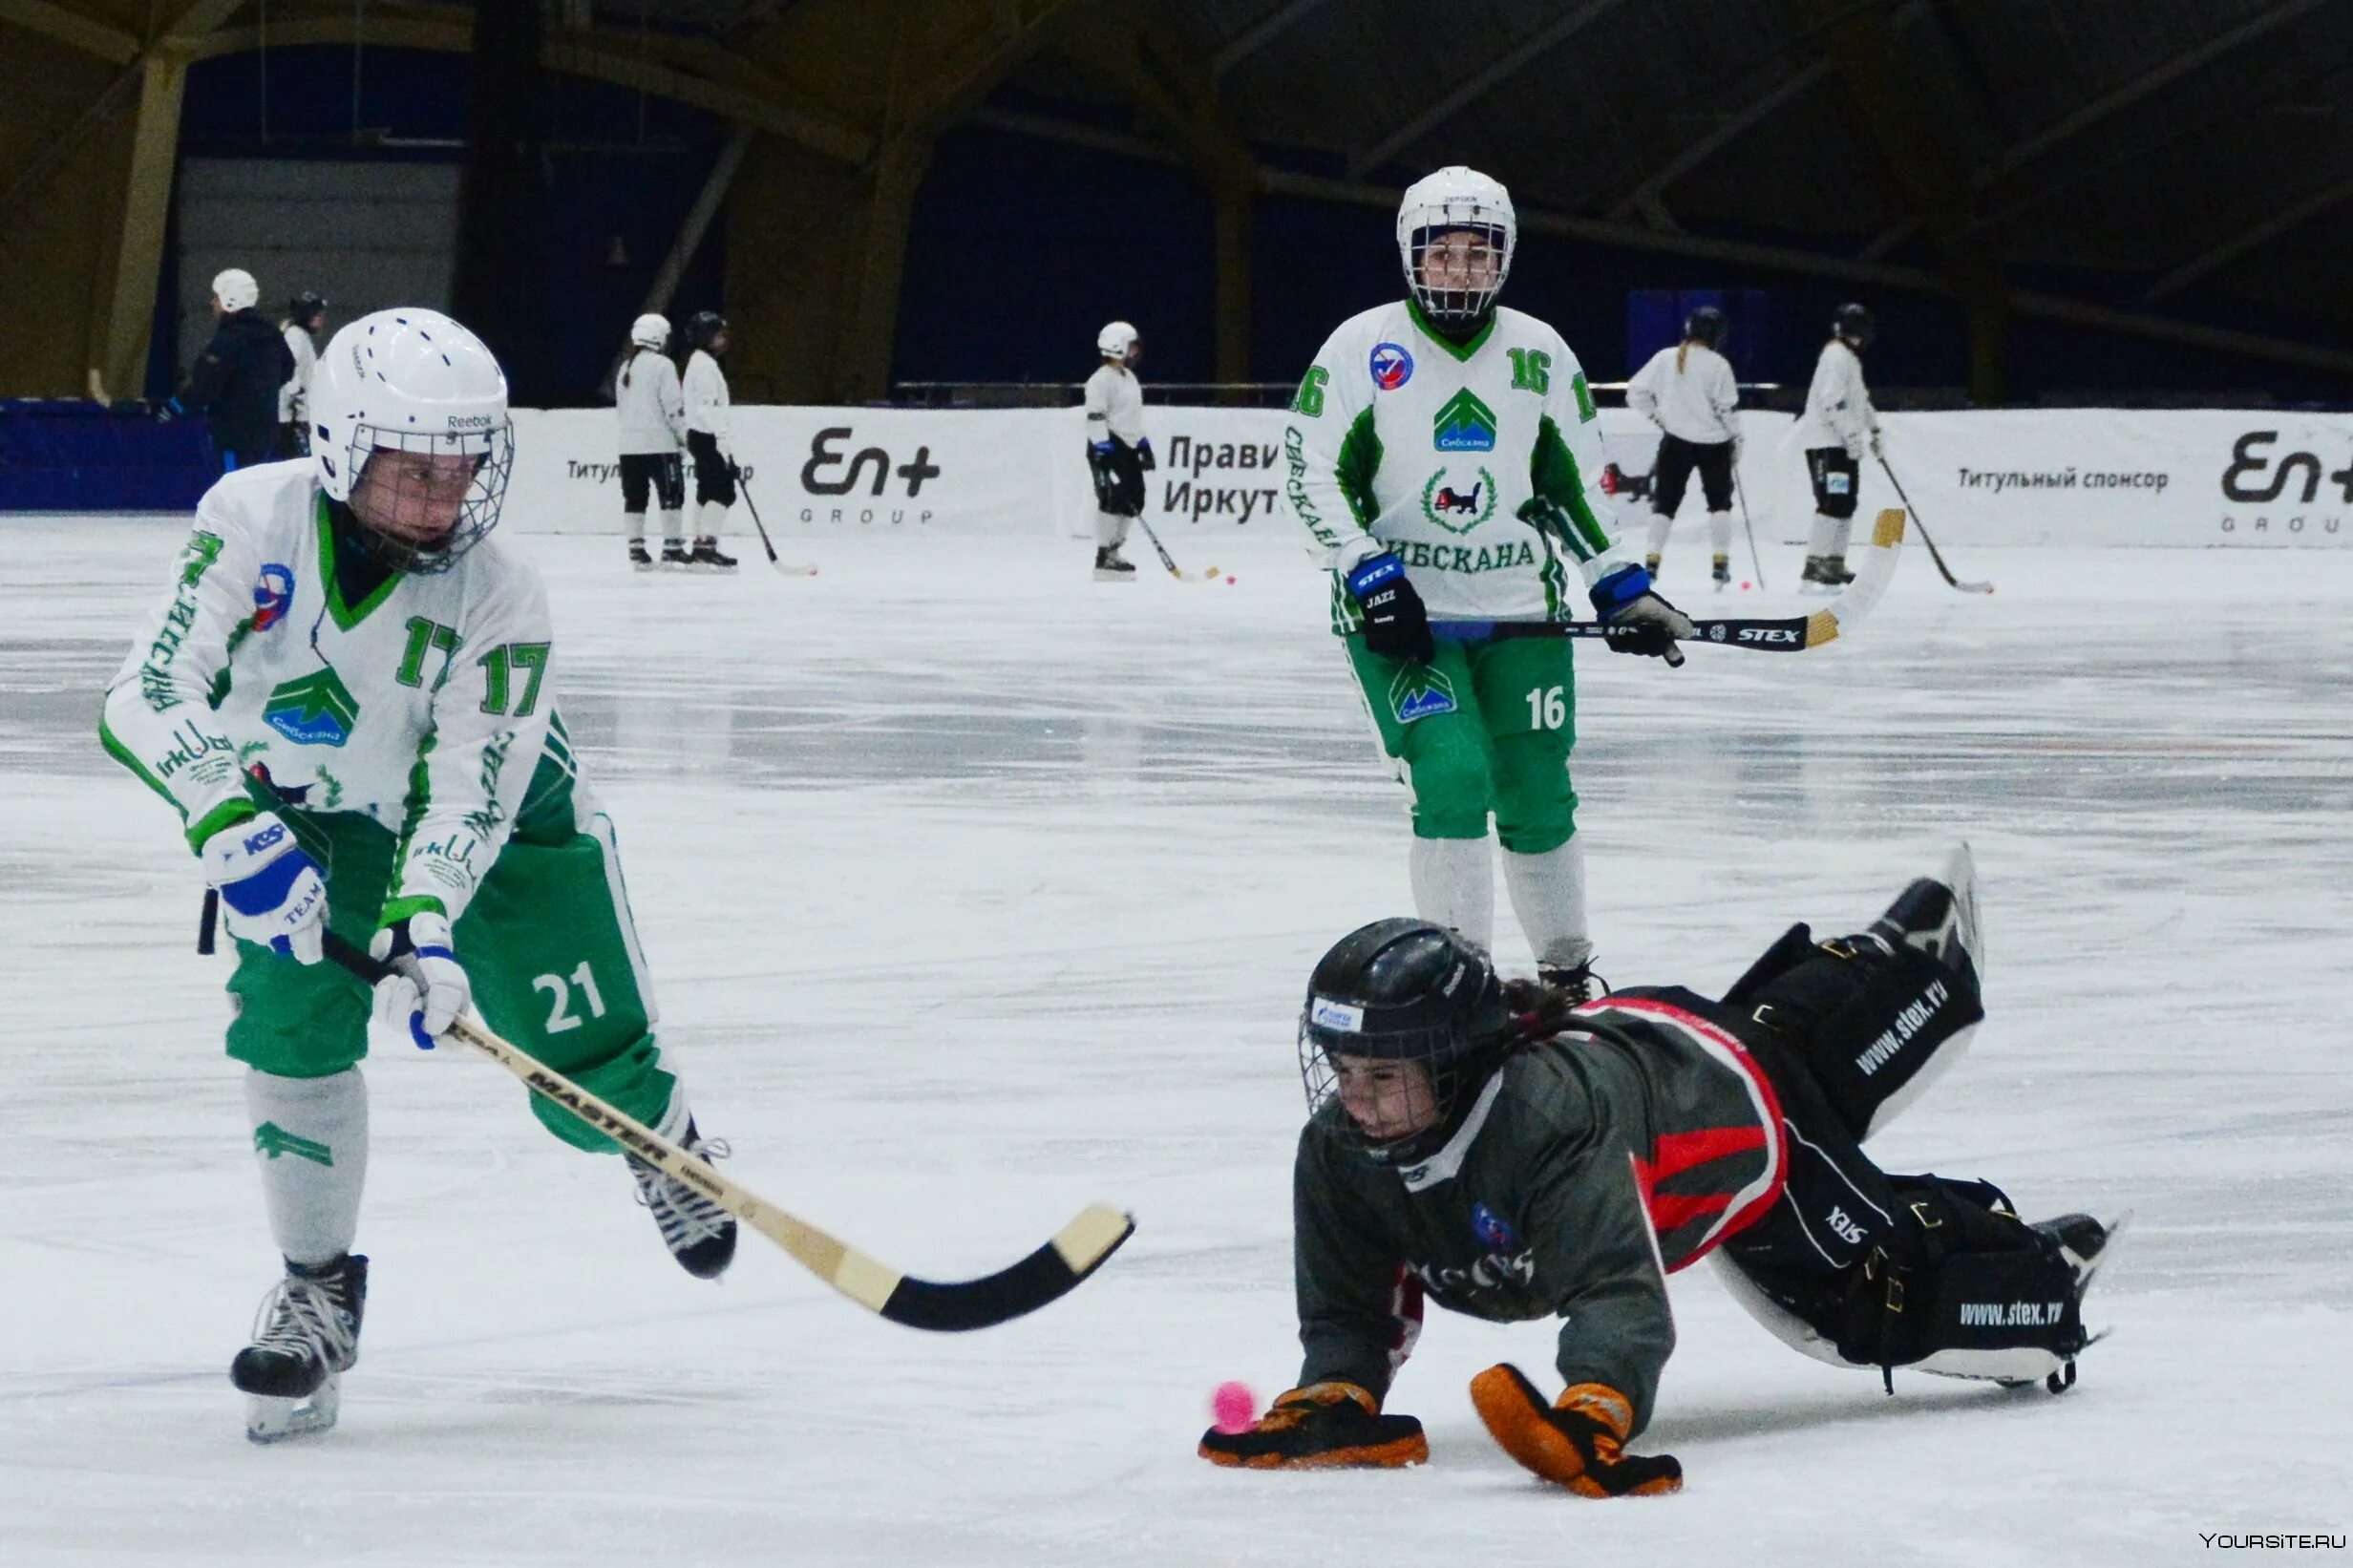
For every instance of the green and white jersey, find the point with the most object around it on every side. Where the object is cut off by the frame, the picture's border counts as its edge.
(426, 707)
(1478, 463)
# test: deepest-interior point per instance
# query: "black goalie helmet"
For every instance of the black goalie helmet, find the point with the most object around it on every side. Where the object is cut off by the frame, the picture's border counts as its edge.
(703, 328)
(1416, 1007)
(1705, 326)
(1854, 323)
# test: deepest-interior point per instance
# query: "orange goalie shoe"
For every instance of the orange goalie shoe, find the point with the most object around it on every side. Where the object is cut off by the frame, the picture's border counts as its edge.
(1578, 1441)
(1324, 1426)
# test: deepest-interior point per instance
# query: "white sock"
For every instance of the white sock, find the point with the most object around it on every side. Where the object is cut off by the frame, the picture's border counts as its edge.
(709, 517)
(310, 1141)
(1838, 538)
(633, 524)
(1106, 531)
(1825, 529)
(674, 526)
(1548, 894)
(1720, 532)
(1660, 524)
(1455, 885)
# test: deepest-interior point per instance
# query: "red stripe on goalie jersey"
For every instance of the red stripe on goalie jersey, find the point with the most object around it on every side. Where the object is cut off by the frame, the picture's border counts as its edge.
(1691, 1224)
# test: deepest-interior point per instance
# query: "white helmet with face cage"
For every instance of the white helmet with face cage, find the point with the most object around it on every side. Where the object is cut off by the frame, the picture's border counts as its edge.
(1455, 199)
(413, 380)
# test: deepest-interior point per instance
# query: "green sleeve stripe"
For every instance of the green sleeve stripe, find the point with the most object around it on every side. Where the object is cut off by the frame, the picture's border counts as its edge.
(420, 796)
(227, 814)
(396, 910)
(116, 749)
(1360, 458)
(1555, 476)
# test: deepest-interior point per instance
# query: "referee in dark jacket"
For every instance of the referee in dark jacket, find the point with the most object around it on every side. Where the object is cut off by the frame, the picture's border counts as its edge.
(238, 375)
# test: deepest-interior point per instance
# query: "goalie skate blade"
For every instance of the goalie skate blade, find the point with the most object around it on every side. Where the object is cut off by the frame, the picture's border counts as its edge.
(269, 1419)
(1046, 1276)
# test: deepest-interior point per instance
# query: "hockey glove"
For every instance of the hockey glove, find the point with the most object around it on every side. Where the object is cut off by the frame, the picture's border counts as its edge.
(1325, 1426)
(1396, 626)
(1877, 446)
(1580, 1442)
(427, 989)
(1143, 453)
(1625, 599)
(269, 886)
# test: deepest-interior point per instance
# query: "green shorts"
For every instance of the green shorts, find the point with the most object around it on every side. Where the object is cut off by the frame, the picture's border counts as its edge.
(547, 942)
(1484, 728)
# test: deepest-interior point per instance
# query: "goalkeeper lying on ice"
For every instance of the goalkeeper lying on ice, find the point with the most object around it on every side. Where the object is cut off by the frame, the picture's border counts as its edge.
(1476, 1141)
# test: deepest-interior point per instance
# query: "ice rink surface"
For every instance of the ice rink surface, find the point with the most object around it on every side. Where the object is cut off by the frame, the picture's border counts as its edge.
(974, 891)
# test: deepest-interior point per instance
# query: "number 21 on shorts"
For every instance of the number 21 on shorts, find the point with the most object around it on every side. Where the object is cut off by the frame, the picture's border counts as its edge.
(1548, 707)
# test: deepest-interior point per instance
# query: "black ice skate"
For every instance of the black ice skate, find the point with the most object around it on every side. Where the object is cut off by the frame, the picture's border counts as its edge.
(1817, 572)
(306, 1336)
(1111, 567)
(638, 557)
(2087, 1245)
(675, 557)
(1834, 571)
(700, 1234)
(1576, 986)
(707, 557)
(1940, 917)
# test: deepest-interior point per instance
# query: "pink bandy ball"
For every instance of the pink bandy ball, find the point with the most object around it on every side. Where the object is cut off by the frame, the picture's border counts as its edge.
(1234, 1406)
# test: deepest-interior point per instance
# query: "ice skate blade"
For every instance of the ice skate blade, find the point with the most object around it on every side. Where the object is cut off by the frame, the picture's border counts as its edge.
(1104, 574)
(269, 1419)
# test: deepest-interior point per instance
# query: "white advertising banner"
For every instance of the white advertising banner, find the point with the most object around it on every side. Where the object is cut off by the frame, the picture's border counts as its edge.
(2003, 477)
(2185, 476)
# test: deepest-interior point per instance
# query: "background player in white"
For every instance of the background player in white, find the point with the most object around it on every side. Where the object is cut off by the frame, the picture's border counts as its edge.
(305, 317)
(1688, 392)
(1833, 432)
(345, 695)
(1119, 452)
(1443, 453)
(706, 442)
(653, 412)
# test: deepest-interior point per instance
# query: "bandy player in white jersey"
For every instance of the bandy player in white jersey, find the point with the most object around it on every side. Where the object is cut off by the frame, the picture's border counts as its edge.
(346, 694)
(1444, 455)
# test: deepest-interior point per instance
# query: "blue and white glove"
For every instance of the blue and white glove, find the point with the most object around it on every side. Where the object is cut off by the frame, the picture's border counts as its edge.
(1143, 453)
(1625, 598)
(269, 886)
(427, 989)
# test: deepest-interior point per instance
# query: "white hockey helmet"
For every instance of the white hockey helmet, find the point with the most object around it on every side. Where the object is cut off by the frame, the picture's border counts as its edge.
(1450, 200)
(651, 331)
(413, 380)
(1115, 340)
(236, 290)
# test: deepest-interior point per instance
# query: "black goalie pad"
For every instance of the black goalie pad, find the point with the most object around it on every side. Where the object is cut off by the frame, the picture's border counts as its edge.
(1873, 1029)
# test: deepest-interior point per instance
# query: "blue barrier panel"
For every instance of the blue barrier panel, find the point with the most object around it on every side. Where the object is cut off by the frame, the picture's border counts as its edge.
(79, 457)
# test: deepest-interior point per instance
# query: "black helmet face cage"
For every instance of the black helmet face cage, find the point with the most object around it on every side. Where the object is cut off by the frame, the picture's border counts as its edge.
(493, 453)
(1452, 1063)
(1456, 307)
(1854, 323)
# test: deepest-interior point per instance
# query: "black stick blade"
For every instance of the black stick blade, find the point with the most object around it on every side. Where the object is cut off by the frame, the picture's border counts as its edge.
(1046, 1276)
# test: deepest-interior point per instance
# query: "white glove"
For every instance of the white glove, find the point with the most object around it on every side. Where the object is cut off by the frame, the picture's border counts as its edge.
(270, 888)
(427, 989)
(1875, 442)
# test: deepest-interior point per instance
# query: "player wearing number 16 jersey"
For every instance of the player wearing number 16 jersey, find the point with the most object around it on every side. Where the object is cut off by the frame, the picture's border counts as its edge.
(1444, 457)
(346, 693)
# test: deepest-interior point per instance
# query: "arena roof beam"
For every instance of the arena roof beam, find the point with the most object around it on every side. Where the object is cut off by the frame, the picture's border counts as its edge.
(1868, 59)
(2240, 245)
(1163, 80)
(686, 71)
(1503, 70)
(2106, 106)
(72, 28)
(1645, 197)
(1257, 36)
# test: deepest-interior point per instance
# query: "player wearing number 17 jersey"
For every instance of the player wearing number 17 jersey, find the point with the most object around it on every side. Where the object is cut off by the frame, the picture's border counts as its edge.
(347, 695)
(1444, 457)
